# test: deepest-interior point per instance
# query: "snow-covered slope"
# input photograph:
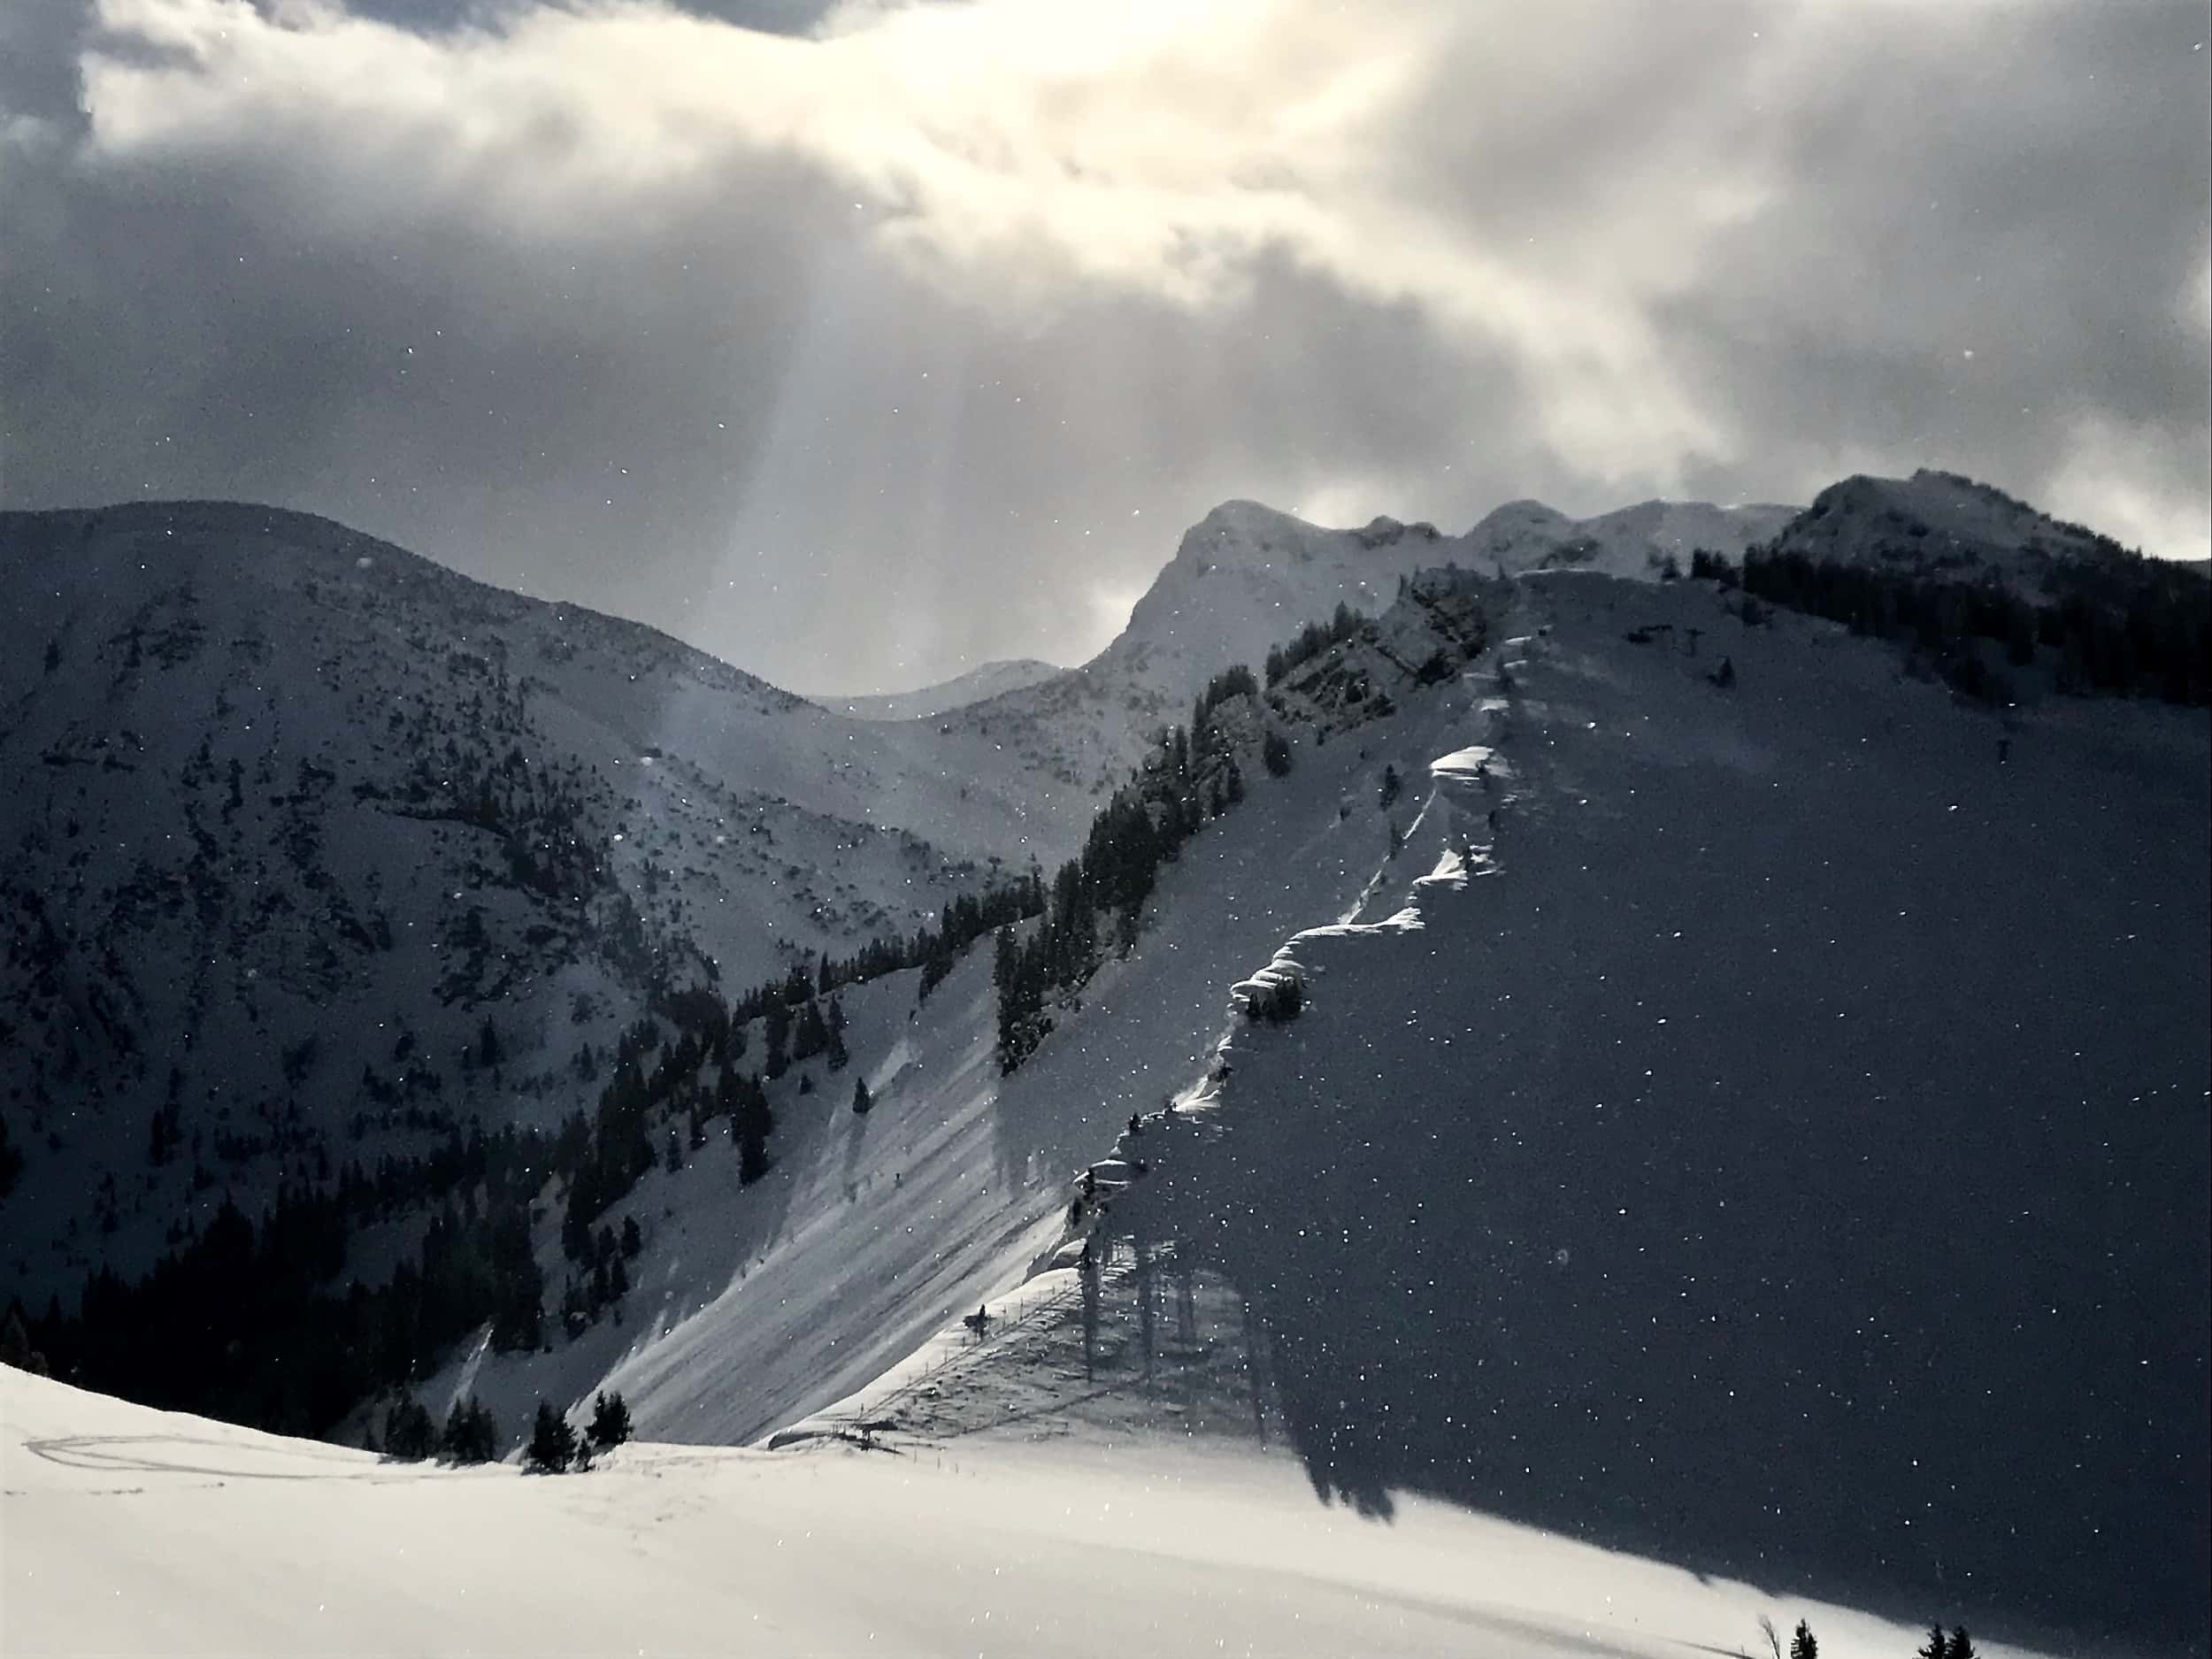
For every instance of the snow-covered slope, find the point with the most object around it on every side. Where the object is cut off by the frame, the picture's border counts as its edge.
(1724, 1159)
(130, 1530)
(1774, 1146)
(753, 1307)
(1776, 1141)
(292, 813)
(990, 680)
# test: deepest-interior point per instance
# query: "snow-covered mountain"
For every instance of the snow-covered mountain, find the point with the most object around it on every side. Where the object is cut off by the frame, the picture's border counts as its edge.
(1712, 1093)
(990, 680)
(1247, 577)
(300, 817)
(1757, 1148)
(1243, 579)
(295, 816)
(1939, 524)
(1760, 1124)
(752, 1307)
(1633, 542)
(1764, 1104)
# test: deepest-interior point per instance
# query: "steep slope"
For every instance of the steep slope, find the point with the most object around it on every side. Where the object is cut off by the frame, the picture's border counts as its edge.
(991, 680)
(1776, 1140)
(295, 816)
(750, 1308)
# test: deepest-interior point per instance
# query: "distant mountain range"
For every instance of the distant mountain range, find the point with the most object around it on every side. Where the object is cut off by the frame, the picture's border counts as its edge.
(989, 679)
(296, 817)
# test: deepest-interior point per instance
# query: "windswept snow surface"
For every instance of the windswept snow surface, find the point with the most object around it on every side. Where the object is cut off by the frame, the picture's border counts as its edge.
(128, 1531)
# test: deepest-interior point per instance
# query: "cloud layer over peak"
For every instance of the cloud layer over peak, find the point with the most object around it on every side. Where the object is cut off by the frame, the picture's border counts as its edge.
(863, 353)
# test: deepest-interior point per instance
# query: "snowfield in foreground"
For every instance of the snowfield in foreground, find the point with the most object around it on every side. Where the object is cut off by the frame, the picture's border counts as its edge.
(130, 1531)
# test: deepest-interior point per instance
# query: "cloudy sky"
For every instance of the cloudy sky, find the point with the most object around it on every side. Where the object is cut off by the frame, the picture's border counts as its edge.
(858, 343)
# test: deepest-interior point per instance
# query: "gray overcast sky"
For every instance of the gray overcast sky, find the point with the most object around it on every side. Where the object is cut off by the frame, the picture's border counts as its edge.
(860, 344)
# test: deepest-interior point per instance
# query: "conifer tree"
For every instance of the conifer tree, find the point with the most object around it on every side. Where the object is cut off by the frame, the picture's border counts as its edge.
(11, 1160)
(408, 1430)
(552, 1442)
(751, 1123)
(631, 1242)
(778, 1022)
(811, 1035)
(1802, 1644)
(1962, 1645)
(1936, 1647)
(472, 1435)
(610, 1422)
(15, 1341)
(861, 1099)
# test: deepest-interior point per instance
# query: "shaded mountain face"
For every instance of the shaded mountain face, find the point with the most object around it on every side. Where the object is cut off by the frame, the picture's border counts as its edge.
(295, 819)
(1939, 524)
(1781, 1094)
(2000, 599)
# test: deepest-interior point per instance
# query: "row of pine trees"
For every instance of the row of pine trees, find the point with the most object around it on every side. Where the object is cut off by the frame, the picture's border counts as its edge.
(1956, 1644)
(2126, 627)
(1097, 898)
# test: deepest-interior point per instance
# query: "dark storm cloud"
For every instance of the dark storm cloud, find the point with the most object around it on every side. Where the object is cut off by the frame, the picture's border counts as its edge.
(859, 358)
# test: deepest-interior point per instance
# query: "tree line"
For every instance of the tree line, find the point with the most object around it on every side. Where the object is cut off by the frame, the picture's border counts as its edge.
(240, 1322)
(1098, 897)
(2125, 626)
